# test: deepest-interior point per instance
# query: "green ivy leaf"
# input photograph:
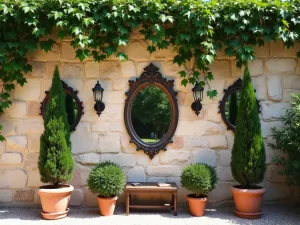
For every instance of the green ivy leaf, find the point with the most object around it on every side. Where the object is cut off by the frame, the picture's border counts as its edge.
(184, 82)
(82, 53)
(122, 56)
(151, 48)
(212, 93)
(47, 45)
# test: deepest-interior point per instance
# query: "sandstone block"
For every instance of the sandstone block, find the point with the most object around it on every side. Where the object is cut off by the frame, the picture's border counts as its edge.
(41, 55)
(89, 158)
(224, 173)
(120, 84)
(13, 178)
(9, 127)
(196, 142)
(77, 198)
(137, 174)
(90, 199)
(100, 126)
(221, 69)
(276, 191)
(230, 139)
(266, 127)
(16, 142)
(274, 88)
(76, 84)
(68, 52)
(281, 66)
(287, 94)
(262, 51)
(292, 52)
(114, 97)
(72, 70)
(260, 86)
(31, 161)
(273, 111)
(179, 87)
(181, 97)
(166, 54)
(144, 160)
(6, 195)
(24, 195)
(29, 92)
(164, 171)
(277, 49)
(2, 146)
(10, 158)
(126, 160)
(185, 113)
(92, 70)
(216, 84)
(170, 69)
(221, 192)
(34, 142)
(273, 174)
(224, 157)
(110, 69)
(126, 146)
(80, 175)
(291, 82)
(199, 128)
(50, 66)
(137, 51)
(18, 109)
(128, 69)
(212, 113)
(178, 142)
(109, 144)
(34, 179)
(33, 109)
(218, 142)
(31, 126)
(38, 69)
(117, 126)
(205, 156)
(175, 157)
(256, 67)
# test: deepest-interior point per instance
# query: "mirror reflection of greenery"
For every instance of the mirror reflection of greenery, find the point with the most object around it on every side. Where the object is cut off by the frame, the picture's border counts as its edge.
(231, 107)
(151, 114)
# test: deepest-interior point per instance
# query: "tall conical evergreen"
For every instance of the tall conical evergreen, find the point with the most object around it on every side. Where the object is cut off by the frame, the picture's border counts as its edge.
(55, 160)
(233, 108)
(248, 160)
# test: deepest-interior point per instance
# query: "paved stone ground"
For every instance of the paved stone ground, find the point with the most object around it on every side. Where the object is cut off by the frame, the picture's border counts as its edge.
(282, 215)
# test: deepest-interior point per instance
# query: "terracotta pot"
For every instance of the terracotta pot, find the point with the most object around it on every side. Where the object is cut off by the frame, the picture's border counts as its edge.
(197, 205)
(107, 205)
(248, 201)
(55, 201)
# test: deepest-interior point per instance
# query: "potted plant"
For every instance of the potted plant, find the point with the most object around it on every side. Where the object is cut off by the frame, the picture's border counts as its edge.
(55, 159)
(248, 159)
(287, 141)
(107, 180)
(200, 179)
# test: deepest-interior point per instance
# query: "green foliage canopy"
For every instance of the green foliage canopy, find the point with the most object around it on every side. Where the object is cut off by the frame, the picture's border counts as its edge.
(195, 29)
(287, 141)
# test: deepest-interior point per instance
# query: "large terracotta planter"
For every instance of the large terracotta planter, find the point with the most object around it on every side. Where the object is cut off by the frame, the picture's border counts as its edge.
(107, 205)
(55, 201)
(248, 202)
(197, 205)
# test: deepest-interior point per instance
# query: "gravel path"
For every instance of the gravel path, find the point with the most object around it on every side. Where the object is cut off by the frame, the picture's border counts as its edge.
(283, 215)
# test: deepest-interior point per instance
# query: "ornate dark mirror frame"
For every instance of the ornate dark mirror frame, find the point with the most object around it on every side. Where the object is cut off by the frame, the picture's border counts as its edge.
(68, 90)
(151, 76)
(237, 85)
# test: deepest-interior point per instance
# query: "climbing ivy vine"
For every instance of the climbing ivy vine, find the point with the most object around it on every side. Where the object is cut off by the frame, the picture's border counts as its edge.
(195, 29)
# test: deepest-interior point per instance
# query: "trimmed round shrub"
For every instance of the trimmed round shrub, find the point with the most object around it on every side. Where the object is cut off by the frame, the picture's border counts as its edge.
(199, 178)
(107, 179)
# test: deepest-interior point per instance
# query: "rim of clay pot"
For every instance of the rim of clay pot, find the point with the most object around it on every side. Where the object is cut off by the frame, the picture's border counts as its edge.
(112, 198)
(47, 189)
(258, 189)
(193, 196)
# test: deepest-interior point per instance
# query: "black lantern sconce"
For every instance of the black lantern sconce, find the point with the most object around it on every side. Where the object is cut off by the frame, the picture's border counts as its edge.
(98, 95)
(198, 96)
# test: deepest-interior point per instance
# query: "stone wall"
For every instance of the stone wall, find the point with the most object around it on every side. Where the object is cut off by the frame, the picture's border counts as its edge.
(276, 74)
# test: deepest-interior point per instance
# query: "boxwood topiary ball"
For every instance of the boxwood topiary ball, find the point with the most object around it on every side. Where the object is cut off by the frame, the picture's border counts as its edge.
(107, 179)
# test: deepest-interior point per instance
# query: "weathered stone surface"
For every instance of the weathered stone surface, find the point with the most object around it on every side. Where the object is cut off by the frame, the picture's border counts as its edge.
(256, 67)
(178, 142)
(72, 70)
(181, 97)
(273, 174)
(100, 126)
(144, 160)
(212, 113)
(164, 171)
(50, 66)
(110, 69)
(185, 113)
(175, 157)
(114, 97)
(199, 128)
(230, 139)
(126, 160)
(281, 66)
(24, 195)
(90, 199)
(89, 158)
(118, 126)
(166, 54)
(29, 92)
(9, 127)
(287, 94)
(196, 142)
(31, 161)
(224, 157)
(18, 109)
(6, 195)
(137, 174)
(31, 126)
(38, 69)
(259, 84)
(221, 192)
(218, 142)
(221, 68)
(86, 144)
(10, 158)
(204, 156)
(273, 111)
(34, 179)
(128, 69)
(41, 55)
(291, 82)
(13, 178)
(77, 198)
(68, 52)
(276, 191)
(266, 127)
(276, 49)
(126, 146)
(137, 51)
(224, 173)
(169, 69)
(34, 142)
(80, 175)
(274, 88)
(16, 143)
(262, 51)
(109, 144)
(92, 69)
(216, 84)
(120, 84)
(33, 109)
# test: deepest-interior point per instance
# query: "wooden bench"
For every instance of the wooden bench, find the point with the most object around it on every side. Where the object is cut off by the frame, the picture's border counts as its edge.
(149, 188)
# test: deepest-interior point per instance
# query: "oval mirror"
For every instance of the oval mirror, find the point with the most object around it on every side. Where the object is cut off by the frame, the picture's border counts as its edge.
(229, 104)
(151, 111)
(74, 106)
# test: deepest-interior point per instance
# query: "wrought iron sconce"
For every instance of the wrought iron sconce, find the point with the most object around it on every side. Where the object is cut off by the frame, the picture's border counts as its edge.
(198, 96)
(98, 95)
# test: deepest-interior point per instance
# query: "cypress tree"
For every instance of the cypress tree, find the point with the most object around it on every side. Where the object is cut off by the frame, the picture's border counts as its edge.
(55, 160)
(248, 159)
(233, 108)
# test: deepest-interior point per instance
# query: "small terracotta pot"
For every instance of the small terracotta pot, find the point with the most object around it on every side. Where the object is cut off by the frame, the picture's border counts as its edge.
(248, 201)
(55, 201)
(197, 205)
(107, 205)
